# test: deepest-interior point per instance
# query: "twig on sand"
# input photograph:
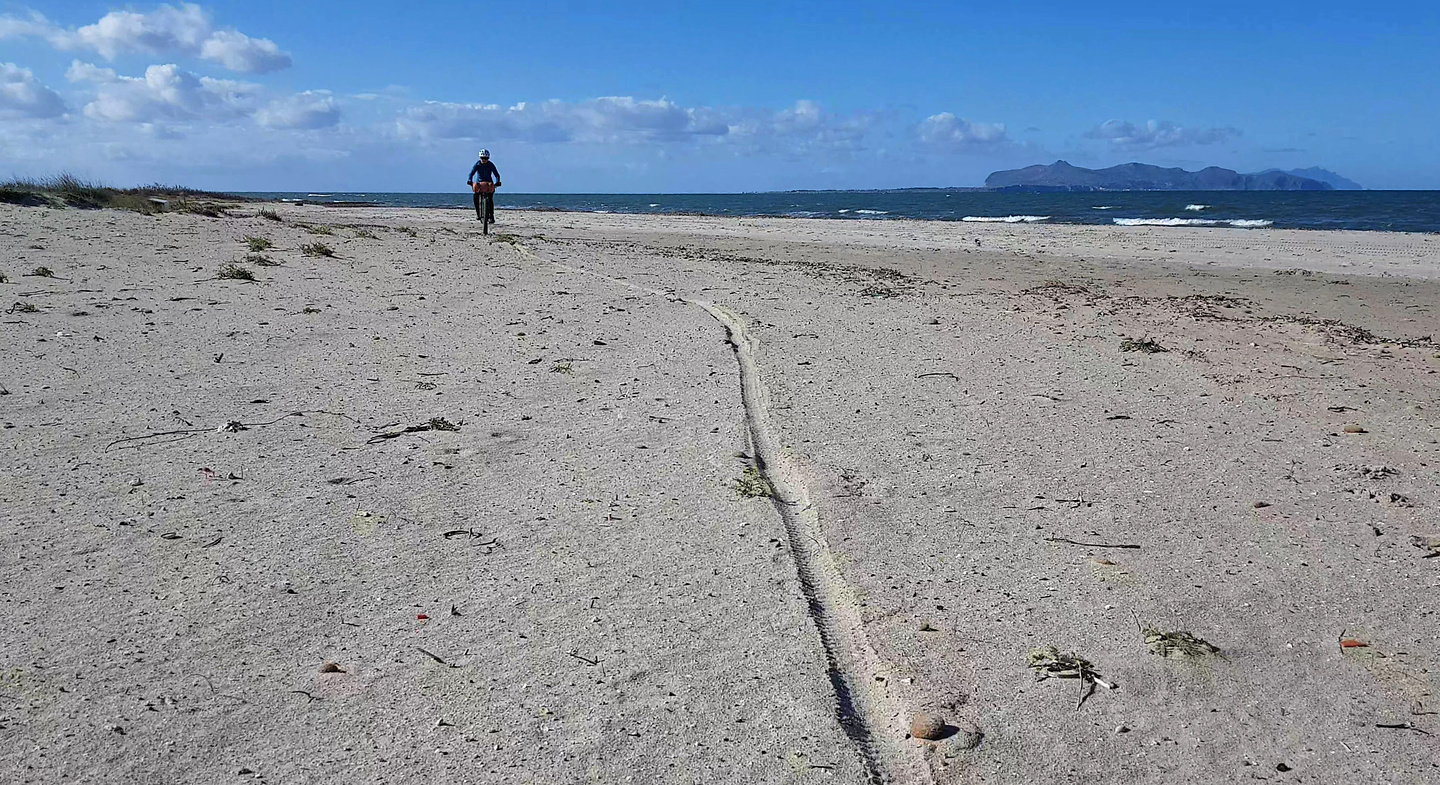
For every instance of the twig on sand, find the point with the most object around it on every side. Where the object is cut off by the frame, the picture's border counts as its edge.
(1403, 726)
(577, 655)
(233, 426)
(938, 373)
(1092, 544)
(306, 694)
(436, 658)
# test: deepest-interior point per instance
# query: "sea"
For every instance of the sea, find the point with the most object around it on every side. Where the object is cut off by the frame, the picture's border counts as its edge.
(1383, 211)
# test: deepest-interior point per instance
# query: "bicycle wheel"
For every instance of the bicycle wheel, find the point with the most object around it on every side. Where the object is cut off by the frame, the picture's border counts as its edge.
(485, 209)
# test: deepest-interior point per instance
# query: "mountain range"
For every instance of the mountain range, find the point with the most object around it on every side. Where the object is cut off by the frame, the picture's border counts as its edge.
(1336, 181)
(1062, 176)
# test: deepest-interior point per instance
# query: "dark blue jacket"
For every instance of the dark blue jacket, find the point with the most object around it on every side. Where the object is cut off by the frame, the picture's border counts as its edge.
(484, 170)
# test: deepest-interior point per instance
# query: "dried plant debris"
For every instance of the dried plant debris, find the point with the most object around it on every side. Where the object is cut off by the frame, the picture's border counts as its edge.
(1048, 663)
(234, 272)
(268, 214)
(1431, 545)
(433, 424)
(752, 484)
(1178, 645)
(1141, 345)
(317, 249)
(1057, 289)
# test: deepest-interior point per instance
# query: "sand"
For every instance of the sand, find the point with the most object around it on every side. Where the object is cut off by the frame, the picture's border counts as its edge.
(616, 498)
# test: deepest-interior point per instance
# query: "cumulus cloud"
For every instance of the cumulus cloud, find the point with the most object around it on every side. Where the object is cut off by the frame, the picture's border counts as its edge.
(628, 120)
(165, 92)
(22, 96)
(185, 31)
(1154, 134)
(609, 119)
(945, 131)
(309, 110)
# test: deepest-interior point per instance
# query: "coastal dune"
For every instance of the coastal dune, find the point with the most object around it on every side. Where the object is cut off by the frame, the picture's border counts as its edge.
(683, 499)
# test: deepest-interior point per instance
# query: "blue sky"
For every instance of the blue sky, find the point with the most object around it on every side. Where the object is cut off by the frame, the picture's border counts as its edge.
(373, 95)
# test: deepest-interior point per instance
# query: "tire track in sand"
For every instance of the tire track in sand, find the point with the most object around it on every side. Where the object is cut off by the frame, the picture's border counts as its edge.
(872, 717)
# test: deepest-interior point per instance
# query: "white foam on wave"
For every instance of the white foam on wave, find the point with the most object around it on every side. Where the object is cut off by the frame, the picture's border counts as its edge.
(870, 212)
(654, 204)
(1196, 207)
(842, 212)
(1105, 207)
(1239, 223)
(1005, 219)
(1166, 222)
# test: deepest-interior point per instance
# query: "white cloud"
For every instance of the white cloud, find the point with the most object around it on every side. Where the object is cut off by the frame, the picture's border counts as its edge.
(22, 96)
(239, 52)
(34, 24)
(608, 119)
(185, 31)
(166, 92)
(1158, 134)
(945, 131)
(629, 120)
(303, 111)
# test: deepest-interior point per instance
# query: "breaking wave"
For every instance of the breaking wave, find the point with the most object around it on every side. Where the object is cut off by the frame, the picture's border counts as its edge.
(1196, 207)
(1005, 219)
(1239, 223)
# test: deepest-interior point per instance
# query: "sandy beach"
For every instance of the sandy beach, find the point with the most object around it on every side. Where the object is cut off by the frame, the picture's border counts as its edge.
(621, 498)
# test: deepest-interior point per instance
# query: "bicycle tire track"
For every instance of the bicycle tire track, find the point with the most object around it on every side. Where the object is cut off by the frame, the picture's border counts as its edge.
(871, 717)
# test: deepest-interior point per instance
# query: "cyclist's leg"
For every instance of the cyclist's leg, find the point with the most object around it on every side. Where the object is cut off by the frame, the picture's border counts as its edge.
(490, 207)
(478, 214)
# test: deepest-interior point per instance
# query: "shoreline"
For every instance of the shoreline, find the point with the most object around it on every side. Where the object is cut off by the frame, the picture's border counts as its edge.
(1365, 211)
(1339, 251)
(1218, 224)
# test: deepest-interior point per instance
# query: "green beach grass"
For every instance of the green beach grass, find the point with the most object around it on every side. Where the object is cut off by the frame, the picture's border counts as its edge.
(67, 190)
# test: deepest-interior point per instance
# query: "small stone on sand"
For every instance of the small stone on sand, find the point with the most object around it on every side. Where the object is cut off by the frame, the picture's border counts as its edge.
(927, 726)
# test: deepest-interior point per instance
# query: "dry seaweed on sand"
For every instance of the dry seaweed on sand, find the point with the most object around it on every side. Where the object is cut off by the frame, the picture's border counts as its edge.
(1057, 289)
(433, 424)
(1141, 345)
(235, 272)
(1178, 645)
(752, 484)
(1048, 663)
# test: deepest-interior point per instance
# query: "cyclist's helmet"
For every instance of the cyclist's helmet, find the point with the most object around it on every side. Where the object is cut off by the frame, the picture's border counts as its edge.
(484, 153)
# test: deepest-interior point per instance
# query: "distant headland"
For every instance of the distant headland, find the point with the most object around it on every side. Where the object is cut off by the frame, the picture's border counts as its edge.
(1061, 176)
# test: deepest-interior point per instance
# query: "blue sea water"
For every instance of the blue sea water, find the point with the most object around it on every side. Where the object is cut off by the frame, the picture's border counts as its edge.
(1390, 211)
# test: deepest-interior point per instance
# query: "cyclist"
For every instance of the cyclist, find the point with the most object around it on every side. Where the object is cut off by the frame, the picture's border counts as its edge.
(485, 172)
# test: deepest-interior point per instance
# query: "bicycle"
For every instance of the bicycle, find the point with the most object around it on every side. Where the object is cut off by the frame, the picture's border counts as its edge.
(484, 204)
